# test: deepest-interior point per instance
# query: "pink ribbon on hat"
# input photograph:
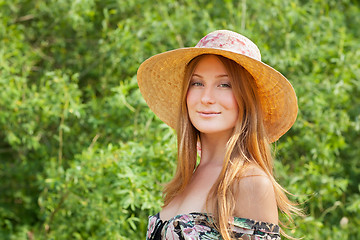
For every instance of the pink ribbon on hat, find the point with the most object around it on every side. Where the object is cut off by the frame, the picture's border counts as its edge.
(230, 41)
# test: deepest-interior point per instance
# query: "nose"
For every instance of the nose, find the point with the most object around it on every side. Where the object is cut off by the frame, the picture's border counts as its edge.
(207, 96)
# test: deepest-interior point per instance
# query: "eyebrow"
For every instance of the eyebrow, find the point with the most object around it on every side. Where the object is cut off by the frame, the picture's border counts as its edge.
(218, 76)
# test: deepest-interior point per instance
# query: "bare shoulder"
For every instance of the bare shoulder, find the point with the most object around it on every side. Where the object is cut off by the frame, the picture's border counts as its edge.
(256, 179)
(255, 196)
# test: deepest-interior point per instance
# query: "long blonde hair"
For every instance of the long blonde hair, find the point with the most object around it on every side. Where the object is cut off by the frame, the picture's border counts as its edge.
(247, 145)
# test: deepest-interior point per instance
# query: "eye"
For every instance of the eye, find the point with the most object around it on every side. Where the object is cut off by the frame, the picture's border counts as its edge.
(196, 84)
(225, 85)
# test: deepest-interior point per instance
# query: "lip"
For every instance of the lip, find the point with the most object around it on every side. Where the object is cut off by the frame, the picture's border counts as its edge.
(208, 113)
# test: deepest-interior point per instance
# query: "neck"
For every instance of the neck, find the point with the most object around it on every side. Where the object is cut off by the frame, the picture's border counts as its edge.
(213, 148)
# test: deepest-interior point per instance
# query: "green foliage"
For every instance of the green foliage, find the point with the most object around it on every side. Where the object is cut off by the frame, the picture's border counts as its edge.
(82, 156)
(105, 193)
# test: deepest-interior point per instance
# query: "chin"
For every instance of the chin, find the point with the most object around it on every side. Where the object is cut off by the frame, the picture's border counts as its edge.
(215, 130)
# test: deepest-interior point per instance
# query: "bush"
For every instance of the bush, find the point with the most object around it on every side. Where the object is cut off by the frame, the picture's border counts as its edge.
(83, 157)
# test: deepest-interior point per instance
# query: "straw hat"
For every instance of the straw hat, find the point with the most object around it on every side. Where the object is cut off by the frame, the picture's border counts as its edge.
(160, 79)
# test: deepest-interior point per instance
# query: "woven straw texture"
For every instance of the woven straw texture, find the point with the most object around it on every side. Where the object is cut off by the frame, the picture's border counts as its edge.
(160, 80)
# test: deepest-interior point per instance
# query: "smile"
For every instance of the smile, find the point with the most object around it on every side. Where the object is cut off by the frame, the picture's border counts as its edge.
(209, 114)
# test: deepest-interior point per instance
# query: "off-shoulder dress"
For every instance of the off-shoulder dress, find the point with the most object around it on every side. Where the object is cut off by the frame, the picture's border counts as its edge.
(198, 226)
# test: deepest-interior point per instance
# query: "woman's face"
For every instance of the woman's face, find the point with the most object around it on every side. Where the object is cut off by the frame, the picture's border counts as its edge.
(211, 103)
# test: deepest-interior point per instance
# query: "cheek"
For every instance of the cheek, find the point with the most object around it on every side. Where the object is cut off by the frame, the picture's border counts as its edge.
(234, 103)
(235, 108)
(190, 99)
(230, 102)
(190, 104)
(232, 106)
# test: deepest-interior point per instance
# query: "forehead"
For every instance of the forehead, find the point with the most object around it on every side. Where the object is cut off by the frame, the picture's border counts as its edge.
(210, 64)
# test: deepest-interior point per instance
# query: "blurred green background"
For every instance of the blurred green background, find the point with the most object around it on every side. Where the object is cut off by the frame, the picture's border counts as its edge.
(82, 156)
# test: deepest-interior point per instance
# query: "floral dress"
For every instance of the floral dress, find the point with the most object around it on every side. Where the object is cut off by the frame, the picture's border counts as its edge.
(198, 226)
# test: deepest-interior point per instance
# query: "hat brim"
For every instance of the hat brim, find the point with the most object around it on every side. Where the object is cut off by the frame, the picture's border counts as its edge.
(160, 79)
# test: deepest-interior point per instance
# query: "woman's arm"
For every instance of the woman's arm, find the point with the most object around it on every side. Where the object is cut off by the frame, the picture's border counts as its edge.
(255, 197)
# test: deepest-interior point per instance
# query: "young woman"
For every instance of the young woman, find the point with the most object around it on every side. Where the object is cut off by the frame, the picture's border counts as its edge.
(227, 106)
